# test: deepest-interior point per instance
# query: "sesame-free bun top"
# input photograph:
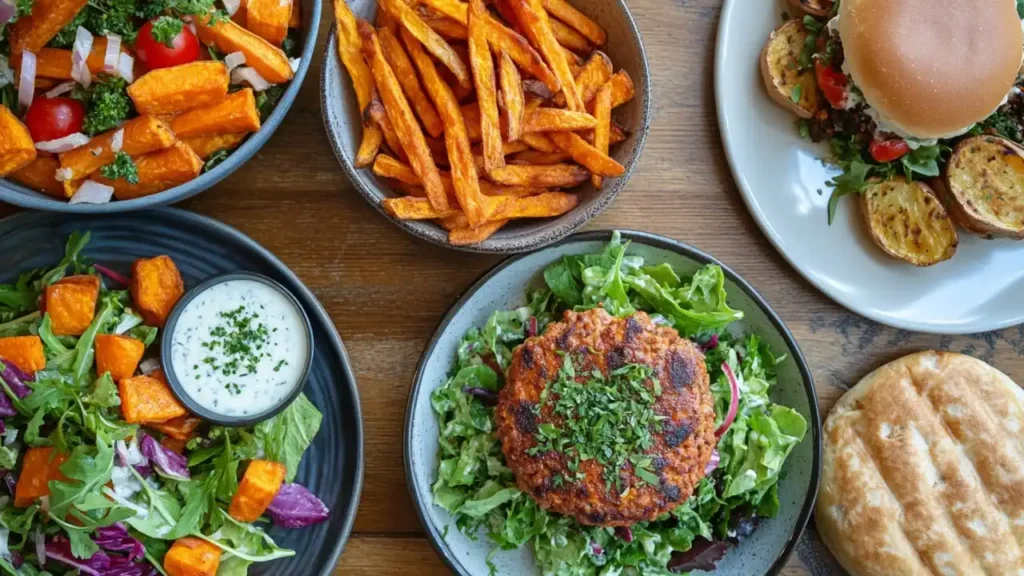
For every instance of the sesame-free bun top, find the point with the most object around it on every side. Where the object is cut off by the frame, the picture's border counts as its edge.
(923, 471)
(933, 68)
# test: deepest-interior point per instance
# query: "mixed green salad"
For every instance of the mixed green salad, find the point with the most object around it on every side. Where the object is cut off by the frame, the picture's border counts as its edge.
(480, 491)
(124, 495)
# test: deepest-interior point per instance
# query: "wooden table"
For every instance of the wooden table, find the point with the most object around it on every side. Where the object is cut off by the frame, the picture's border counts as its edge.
(386, 291)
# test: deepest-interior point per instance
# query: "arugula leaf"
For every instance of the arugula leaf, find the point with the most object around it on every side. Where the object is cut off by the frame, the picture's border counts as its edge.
(244, 541)
(286, 436)
(923, 161)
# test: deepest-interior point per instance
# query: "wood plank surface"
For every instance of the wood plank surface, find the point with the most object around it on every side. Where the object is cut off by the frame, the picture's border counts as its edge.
(386, 291)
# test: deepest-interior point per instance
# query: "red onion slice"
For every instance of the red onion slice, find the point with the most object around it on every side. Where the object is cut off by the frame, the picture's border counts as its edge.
(110, 59)
(117, 141)
(92, 192)
(116, 277)
(251, 77)
(27, 82)
(734, 403)
(69, 142)
(80, 57)
(234, 60)
(60, 89)
(712, 464)
(7, 11)
(126, 67)
(232, 6)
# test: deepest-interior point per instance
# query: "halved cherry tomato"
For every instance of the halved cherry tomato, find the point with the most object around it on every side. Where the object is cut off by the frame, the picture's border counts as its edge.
(833, 84)
(53, 118)
(154, 54)
(888, 150)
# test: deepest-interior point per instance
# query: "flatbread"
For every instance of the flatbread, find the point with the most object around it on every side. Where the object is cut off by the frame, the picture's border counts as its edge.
(924, 470)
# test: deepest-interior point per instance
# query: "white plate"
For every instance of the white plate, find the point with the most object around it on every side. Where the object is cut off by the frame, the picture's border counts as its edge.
(779, 175)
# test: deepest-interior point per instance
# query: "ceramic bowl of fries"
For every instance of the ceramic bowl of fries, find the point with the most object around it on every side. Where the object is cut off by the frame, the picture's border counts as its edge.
(486, 126)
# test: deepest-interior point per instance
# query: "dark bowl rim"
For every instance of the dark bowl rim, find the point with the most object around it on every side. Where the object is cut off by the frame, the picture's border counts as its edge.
(577, 218)
(166, 343)
(657, 241)
(319, 312)
(13, 193)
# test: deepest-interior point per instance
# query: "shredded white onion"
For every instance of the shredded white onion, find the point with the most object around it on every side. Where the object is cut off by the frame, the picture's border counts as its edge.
(6, 74)
(126, 67)
(125, 483)
(295, 63)
(127, 323)
(251, 77)
(139, 511)
(234, 60)
(92, 192)
(40, 540)
(64, 174)
(232, 6)
(110, 58)
(10, 436)
(80, 57)
(27, 86)
(69, 142)
(149, 365)
(60, 89)
(4, 550)
(117, 141)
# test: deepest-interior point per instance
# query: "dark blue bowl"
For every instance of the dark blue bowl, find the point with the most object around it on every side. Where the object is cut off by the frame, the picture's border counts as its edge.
(14, 193)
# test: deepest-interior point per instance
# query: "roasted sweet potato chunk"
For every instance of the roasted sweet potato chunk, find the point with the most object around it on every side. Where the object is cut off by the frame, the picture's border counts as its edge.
(257, 489)
(268, 19)
(206, 146)
(25, 352)
(158, 171)
(156, 288)
(227, 36)
(192, 557)
(148, 399)
(38, 468)
(16, 147)
(48, 17)
(118, 355)
(142, 135)
(180, 428)
(179, 88)
(71, 304)
(41, 174)
(235, 113)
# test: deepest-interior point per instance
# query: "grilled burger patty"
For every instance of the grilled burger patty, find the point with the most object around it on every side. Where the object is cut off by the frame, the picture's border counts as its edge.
(535, 423)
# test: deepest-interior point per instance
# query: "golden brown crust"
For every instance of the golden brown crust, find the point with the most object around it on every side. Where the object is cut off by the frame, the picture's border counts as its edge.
(932, 67)
(984, 186)
(681, 450)
(907, 221)
(779, 61)
(924, 470)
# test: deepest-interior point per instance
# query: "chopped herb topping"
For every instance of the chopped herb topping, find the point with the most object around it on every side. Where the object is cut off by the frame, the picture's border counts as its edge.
(123, 167)
(107, 102)
(240, 339)
(166, 29)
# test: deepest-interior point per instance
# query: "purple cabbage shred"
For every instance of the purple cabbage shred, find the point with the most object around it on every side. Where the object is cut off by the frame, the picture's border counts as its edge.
(296, 507)
(166, 462)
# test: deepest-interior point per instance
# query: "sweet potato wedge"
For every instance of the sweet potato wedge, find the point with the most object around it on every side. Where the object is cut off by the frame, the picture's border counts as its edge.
(504, 39)
(540, 158)
(180, 428)
(156, 287)
(448, 28)
(269, 19)
(602, 133)
(56, 64)
(469, 236)
(587, 155)
(984, 186)
(399, 60)
(432, 41)
(180, 88)
(40, 175)
(257, 489)
(48, 17)
(623, 89)
(40, 466)
(16, 147)
(794, 89)
(71, 304)
(158, 171)
(118, 355)
(380, 118)
(350, 51)
(25, 352)
(907, 221)
(410, 208)
(192, 557)
(482, 65)
(235, 113)
(206, 146)
(512, 97)
(148, 399)
(577, 20)
(295, 19)
(389, 167)
(542, 205)
(539, 142)
(570, 39)
(551, 176)
(227, 36)
(558, 120)
(594, 74)
(535, 22)
(142, 135)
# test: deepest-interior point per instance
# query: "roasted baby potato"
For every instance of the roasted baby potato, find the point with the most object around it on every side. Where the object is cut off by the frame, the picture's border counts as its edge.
(795, 90)
(818, 8)
(985, 186)
(907, 221)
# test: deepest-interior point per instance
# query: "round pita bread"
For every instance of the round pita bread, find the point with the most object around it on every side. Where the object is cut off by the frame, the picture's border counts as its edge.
(923, 470)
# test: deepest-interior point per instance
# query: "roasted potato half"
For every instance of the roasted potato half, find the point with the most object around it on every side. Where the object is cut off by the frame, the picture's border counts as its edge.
(795, 90)
(985, 186)
(818, 8)
(907, 221)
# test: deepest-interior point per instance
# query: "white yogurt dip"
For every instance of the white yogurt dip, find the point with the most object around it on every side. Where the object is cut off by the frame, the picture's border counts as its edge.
(239, 348)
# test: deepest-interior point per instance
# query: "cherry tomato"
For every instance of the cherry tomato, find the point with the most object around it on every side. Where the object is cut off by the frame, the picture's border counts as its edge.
(833, 84)
(53, 118)
(154, 54)
(888, 150)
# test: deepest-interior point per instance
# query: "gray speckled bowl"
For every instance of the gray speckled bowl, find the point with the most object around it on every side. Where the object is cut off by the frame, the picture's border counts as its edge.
(343, 120)
(14, 193)
(765, 552)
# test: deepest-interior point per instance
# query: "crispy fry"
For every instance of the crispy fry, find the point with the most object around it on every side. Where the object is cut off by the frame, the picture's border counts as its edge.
(369, 146)
(295, 19)
(540, 158)
(227, 36)
(408, 130)
(552, 176)
(431, 40)
(16, 147)
(56, 64)
(558, 120)
(41, 175)
(380, 117)
(618, 134)
(465, 178)
(574, 60)
(534, 20)
(539, 143)
(239, 16)
(471, 116)
(512, 96)
(567, 13)
(469, 236)
(179, 88)
(586, 155)
(269, 19)
(454, 9)
(537, 88)
(622, 89)
(462, 93)
(142, 135)
(350, 51)
(48, 17)
(602, 133)
(235, 113)
(206, 146)
(594, 74)
(448, 28)
(539, 206)
(158, 171)
(504, 39)
(569, 38)
(409, 208)
(486, 87)
(390, 167)
(396, 56)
